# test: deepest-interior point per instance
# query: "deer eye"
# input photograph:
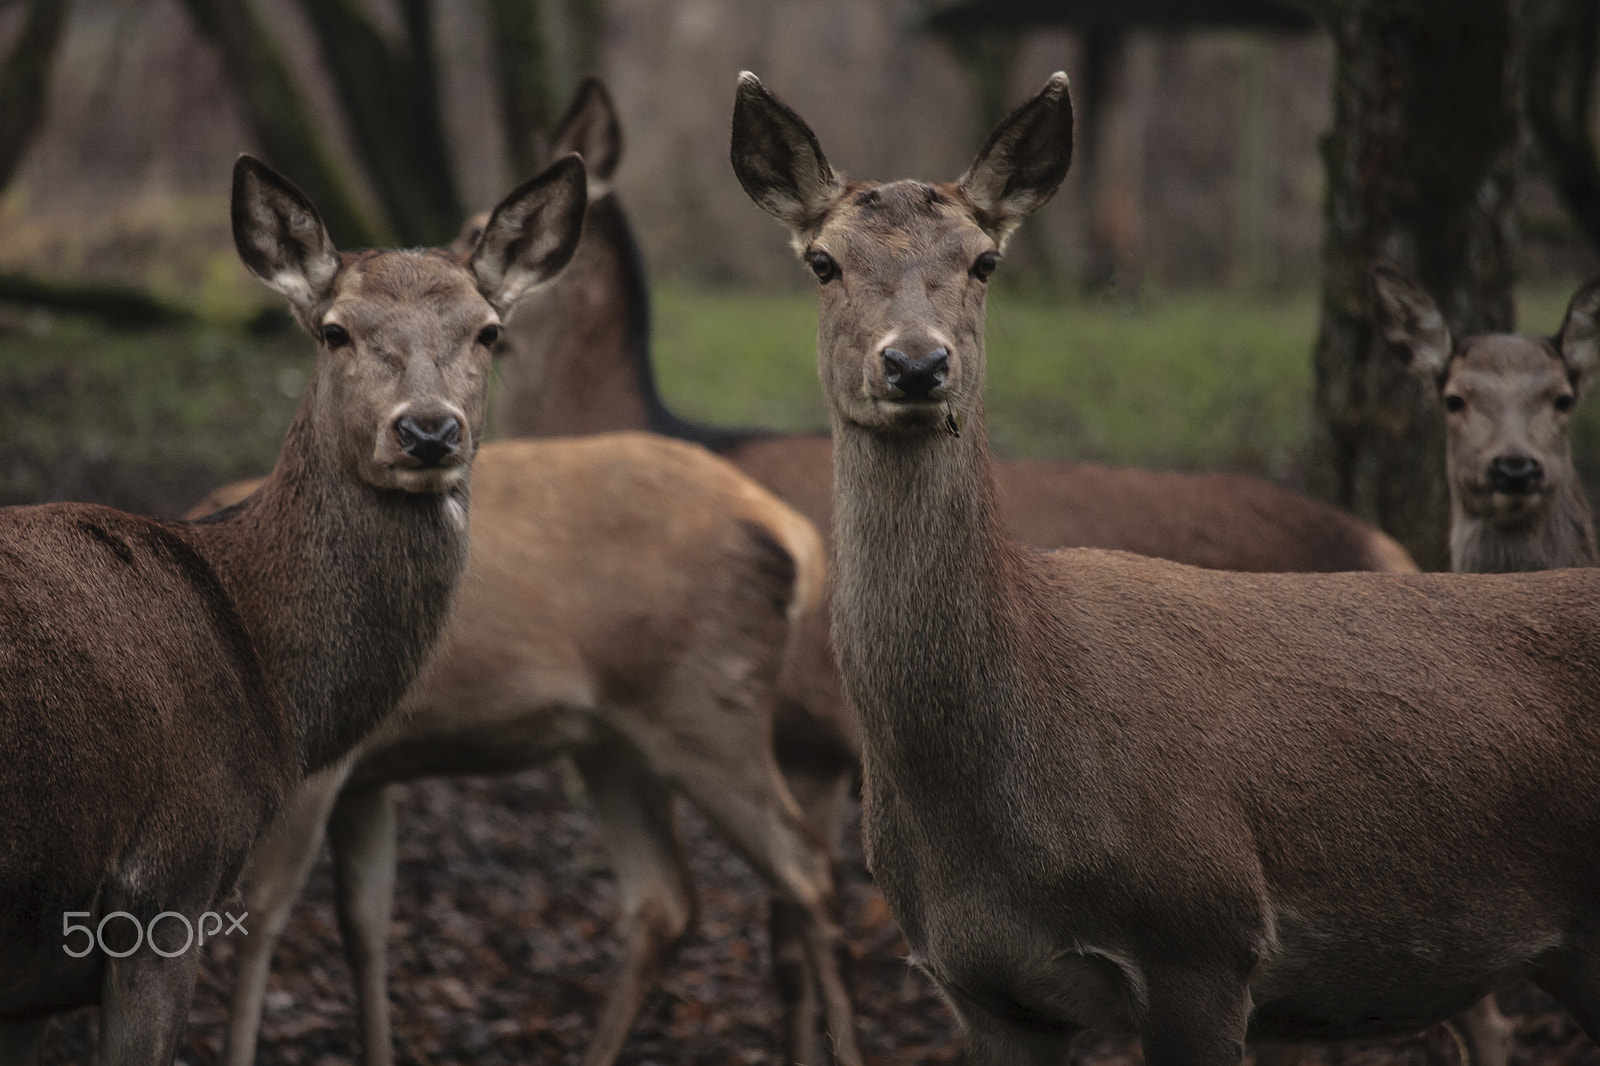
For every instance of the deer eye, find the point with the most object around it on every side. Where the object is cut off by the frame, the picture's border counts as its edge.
(823, 266)
(1564, 403)
(984, 265)
(334, 336)
(1454, 404)
(488, 335)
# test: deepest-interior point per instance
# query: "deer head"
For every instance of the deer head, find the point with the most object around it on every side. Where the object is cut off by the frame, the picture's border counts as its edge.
(404, 337)
(1507, 398)
(903, 266)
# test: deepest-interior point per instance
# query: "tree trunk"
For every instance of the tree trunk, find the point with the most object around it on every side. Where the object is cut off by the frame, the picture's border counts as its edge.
(1559, 70)
(521, 61)
(25, 82)
(277, 115)
(392, 101)
(1420, 170)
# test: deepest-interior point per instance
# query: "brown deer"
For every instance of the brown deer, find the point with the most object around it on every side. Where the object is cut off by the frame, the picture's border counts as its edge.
(1110, 792)
(576, 359)
(1516, 502)
(164, 686)
(627, 603)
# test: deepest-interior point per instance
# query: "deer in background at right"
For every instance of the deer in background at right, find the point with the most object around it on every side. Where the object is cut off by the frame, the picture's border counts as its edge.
(1515, 499)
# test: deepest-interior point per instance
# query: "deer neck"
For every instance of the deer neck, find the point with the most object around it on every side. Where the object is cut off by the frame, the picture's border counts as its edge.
(922, 614)
(1561, 536)
(589, 368)
(344, 587)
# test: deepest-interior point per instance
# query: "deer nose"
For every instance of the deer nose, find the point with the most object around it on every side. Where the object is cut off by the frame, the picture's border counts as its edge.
(915, 378)
(1515, 473)
(428, 438)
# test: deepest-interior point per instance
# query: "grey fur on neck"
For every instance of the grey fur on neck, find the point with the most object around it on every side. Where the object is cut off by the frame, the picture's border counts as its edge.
(1561, 536)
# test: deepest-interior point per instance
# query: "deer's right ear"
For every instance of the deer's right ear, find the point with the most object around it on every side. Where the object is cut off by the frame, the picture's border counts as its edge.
(778, 160)
(591, 130)
(1579, 339)
(1408, 319)
(279, 235)
(1024, 161)
(532, 234)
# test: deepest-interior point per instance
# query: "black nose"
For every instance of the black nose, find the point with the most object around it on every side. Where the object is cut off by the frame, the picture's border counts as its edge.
(915, 378)
(1514, 473)
(428, 438)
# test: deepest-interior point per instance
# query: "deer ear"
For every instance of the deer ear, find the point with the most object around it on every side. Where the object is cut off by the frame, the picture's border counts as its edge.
(532, 234)
(1408, 319)
(1024, 161)
(466, 241)
(279, 235)
(1579, 339)
(590, 129)
(777, 158)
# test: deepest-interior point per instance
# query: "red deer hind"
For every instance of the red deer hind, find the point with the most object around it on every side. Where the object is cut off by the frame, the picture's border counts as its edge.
(1109, 792)
(165, 685)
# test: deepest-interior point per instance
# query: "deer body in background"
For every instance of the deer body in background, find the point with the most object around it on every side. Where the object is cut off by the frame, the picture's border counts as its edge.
(627, 603)
(1103, 791)
(164, 686)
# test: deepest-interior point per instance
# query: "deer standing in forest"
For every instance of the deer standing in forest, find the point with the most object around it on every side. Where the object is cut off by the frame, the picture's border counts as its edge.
(627, 603)
(164, 686)
(577, 360)
(1110, 792)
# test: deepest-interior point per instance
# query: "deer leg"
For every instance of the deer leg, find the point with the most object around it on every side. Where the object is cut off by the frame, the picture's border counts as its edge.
(144, 1006)
(1195, 1019)
(636, 819)
(1573, 978)
(721, 758)
(361, 835)
(1484, 1034)
(278, 870)
(21, 1042)
(823, 794)
(995, 1041)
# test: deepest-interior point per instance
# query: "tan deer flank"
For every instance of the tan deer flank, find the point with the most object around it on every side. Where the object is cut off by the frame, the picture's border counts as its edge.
(1110, 792)
(164, 686)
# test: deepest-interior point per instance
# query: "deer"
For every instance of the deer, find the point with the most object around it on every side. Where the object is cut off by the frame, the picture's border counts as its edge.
(1516, 502)
(1103, 791)
(166, 686)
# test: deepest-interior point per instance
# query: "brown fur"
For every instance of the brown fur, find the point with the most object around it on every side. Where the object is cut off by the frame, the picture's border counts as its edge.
(164, 685)
(1111, 792)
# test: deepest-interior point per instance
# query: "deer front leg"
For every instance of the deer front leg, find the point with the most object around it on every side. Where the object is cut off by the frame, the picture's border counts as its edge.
(1484, 1032)
(278, 871)
(361, 835)
(1195, 1018)
(144, 1006)
(641, 834)
(20, 1042)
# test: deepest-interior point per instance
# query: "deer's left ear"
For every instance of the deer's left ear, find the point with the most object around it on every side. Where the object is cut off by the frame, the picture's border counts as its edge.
(1579, 339)
(1024, 161)
(532, 234)
(280, 237)
(1410, 321)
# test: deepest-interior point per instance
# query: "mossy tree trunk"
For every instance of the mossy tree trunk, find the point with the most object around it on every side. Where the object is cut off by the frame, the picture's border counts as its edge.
(527, 108)
(277, 115)
(1420, 165)
(25, 82)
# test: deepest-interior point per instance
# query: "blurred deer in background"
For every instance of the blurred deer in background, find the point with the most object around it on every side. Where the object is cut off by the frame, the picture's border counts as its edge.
(1103, 791)
(165, 686)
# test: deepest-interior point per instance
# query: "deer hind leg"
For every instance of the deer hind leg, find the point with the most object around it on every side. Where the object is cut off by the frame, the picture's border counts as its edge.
(716, 749)
(823, 793)
(361, 835)
(1195, 1018)
(634, 808)
(1484, 1034)
(1573, 978)
(278, 870)
(21, 1042)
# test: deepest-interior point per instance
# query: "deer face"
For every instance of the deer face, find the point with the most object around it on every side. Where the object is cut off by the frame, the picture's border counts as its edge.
(903, 267)
(405, 336)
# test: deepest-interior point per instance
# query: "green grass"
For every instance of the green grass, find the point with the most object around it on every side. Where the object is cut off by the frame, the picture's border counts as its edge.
(1184, 381)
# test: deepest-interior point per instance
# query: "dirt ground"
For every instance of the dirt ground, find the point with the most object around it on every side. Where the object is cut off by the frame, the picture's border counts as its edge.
(502, 947)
